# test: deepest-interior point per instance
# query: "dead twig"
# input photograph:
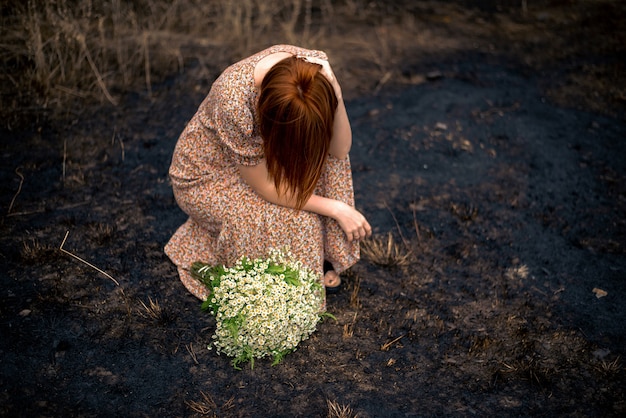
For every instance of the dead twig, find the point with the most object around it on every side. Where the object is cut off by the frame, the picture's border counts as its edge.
(19, 189)
(83, 261)
(404, 241)
(417, 229)
(192, 353)
(81, 40)
(203, 407)
(64, 158)
(387, 346)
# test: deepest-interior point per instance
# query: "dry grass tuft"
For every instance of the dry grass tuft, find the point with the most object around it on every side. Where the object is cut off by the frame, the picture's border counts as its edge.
(348, 329)
(205, 406)
(34, 251)
(153, 311)
(335, 410)
(354, 295)
(610, 368)
(102, 233)
(516, 273)
(385, 252)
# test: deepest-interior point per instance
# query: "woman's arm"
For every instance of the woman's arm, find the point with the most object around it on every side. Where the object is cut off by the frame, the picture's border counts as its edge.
(341, 141)
(350, 220)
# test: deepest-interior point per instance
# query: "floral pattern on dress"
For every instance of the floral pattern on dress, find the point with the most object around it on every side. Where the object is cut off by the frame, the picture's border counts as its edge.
(227, 218)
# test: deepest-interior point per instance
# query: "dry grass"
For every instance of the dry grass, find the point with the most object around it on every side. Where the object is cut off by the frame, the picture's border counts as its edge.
(336, 410)
(33, 251)
(610, 368)
(151, 310)
(355, 301)
(207, 406)
(348, 328)
(385, 252)
(59, 55)
(59, 51)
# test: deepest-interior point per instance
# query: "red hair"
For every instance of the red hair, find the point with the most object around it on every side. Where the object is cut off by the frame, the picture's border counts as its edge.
(296, 111)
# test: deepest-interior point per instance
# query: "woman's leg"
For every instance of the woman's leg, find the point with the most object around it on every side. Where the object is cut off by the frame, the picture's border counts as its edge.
(336, 183)
(252, 226)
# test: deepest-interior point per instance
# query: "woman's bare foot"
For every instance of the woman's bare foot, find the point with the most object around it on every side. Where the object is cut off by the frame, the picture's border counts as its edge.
(331, 279)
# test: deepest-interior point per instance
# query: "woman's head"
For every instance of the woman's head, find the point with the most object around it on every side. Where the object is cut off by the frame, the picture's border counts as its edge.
(296, 111)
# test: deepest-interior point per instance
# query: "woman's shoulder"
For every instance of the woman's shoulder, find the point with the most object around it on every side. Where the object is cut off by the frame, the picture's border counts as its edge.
(294, 50)
(281, 49)
(237, 81)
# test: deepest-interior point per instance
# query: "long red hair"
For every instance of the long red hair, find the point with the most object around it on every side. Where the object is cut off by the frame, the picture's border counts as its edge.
(296, 110)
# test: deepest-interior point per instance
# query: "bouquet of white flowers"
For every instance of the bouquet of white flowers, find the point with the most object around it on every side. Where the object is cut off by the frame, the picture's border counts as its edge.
(262, 307)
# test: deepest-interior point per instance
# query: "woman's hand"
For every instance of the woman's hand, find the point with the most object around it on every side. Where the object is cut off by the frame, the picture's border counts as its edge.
(342, 132)
(352, 222)
(326, 72)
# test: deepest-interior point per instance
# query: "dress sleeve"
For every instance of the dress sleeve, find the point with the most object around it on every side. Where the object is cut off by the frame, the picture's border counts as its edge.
(234, 123)
(228, 109)
(302, 52)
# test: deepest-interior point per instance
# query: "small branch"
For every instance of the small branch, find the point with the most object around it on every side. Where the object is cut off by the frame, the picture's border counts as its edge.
(192, 353)
(146, 49)
(64, 158)
(19, 189)
(417, 228)
(27, 212)
(386, 346)
(121, 143)
(404, 241)
(83, 261)
(81, 40)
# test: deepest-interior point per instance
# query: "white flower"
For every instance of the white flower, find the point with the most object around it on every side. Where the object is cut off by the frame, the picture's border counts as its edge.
(265, 307)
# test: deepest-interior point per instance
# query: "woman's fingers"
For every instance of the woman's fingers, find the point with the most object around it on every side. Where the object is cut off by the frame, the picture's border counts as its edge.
(368, 229)
(326, 70)
(353, 223)
(361, 232)
(365, 230)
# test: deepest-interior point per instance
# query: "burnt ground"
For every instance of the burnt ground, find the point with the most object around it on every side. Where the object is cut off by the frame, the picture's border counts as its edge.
(499, 172)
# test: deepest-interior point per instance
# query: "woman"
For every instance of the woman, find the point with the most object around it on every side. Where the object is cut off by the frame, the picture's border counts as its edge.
(264, 164)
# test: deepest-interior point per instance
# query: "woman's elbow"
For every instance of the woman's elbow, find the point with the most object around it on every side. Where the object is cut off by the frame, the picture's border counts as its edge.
(341, 152)
(340, 155)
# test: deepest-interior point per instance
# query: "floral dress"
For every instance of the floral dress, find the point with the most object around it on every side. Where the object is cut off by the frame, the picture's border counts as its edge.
(227, 218)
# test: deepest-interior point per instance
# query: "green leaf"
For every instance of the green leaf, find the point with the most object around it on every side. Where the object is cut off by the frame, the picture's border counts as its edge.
(279, 355)
(208, 305)
(208, 275)
(275, 269)
(244, 357)
(325, 315)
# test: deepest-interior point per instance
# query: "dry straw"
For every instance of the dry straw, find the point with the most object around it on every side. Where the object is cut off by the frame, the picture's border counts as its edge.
(57, 51)
(385, 252)
(83, 261)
